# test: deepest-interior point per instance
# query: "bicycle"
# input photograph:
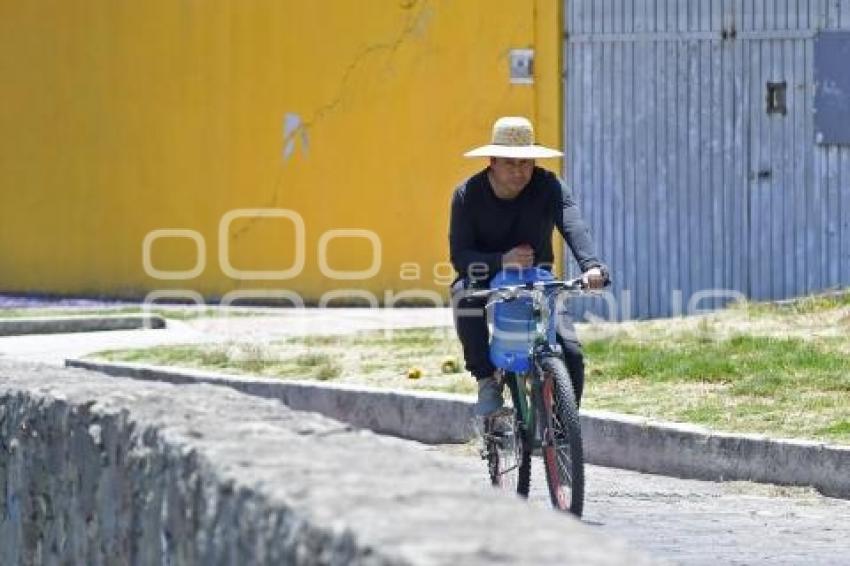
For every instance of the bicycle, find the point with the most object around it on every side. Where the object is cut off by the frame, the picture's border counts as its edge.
(544, 415)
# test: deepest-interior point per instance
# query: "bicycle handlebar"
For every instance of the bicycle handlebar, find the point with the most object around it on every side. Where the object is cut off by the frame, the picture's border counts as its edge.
(511, 292)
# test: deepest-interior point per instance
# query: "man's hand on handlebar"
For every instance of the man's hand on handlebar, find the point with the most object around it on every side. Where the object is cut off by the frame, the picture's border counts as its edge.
(594, 278)
(520, 256)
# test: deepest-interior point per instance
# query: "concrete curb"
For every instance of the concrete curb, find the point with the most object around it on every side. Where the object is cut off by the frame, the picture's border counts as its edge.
(428, 417)
(64, 324)
(610, 439)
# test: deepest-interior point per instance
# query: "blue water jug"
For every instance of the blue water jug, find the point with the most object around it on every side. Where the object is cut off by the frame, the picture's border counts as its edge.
(513, 322)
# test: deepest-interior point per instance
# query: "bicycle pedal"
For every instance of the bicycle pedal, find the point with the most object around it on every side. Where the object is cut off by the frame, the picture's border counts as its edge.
(497, 434)
(501, 413)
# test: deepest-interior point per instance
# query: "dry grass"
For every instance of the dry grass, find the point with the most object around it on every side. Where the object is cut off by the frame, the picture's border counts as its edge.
(380, 359)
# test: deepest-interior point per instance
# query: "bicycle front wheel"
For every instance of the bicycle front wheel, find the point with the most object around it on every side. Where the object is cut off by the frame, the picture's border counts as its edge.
(563, 455)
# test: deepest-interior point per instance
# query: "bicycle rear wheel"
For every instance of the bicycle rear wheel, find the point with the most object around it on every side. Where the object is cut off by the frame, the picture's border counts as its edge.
(508, 459)
(563, 455)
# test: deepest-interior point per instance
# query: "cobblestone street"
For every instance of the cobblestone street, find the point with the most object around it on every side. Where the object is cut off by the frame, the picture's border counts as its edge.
(697, 522)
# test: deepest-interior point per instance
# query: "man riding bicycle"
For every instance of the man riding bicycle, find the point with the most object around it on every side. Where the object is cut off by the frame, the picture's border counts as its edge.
(503, 217)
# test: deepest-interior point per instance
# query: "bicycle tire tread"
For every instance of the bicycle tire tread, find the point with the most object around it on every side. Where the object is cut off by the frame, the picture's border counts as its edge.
(567, 410)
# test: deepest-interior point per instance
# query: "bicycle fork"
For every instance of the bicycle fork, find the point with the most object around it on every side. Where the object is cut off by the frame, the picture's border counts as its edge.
(542, 401)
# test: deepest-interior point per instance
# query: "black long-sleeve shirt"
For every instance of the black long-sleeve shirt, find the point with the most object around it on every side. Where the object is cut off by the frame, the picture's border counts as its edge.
(483, 227)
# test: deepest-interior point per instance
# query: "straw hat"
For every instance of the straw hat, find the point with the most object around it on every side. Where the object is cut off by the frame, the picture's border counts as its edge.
(513, 136)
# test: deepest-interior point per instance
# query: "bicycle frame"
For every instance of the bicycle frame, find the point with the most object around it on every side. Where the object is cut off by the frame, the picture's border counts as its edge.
(544, 417)
(527, 387)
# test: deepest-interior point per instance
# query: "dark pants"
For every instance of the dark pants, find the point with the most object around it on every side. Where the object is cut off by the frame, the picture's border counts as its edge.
(471, 326)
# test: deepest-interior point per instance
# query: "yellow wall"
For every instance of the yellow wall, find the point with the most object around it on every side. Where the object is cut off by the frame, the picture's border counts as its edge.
(119, 118)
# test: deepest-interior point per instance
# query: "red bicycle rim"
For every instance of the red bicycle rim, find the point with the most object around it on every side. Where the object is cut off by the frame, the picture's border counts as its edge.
(550, 455)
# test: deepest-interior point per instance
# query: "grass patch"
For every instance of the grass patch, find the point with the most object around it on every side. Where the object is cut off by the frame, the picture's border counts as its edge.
(810, 304)
(778, 375)
(776, 386)
(840, 429)
(320, 365)
(380, 358)
(751, 365)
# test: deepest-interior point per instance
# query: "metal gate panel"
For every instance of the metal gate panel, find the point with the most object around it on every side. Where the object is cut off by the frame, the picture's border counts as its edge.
(666, 133)
(773, 187)
(799, 230)
(834, 160)
(648, 134)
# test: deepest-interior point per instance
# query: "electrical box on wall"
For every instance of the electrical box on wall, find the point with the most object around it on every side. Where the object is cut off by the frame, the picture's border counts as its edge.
(832, 87)
(522, 66)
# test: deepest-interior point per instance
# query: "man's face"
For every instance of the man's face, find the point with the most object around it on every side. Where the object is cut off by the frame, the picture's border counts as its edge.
(512, 175)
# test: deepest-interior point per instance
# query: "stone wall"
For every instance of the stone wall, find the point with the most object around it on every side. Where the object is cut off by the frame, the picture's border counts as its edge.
(97, 470)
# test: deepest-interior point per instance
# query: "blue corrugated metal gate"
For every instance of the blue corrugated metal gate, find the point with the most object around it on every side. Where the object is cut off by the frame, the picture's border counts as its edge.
(690, 139)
